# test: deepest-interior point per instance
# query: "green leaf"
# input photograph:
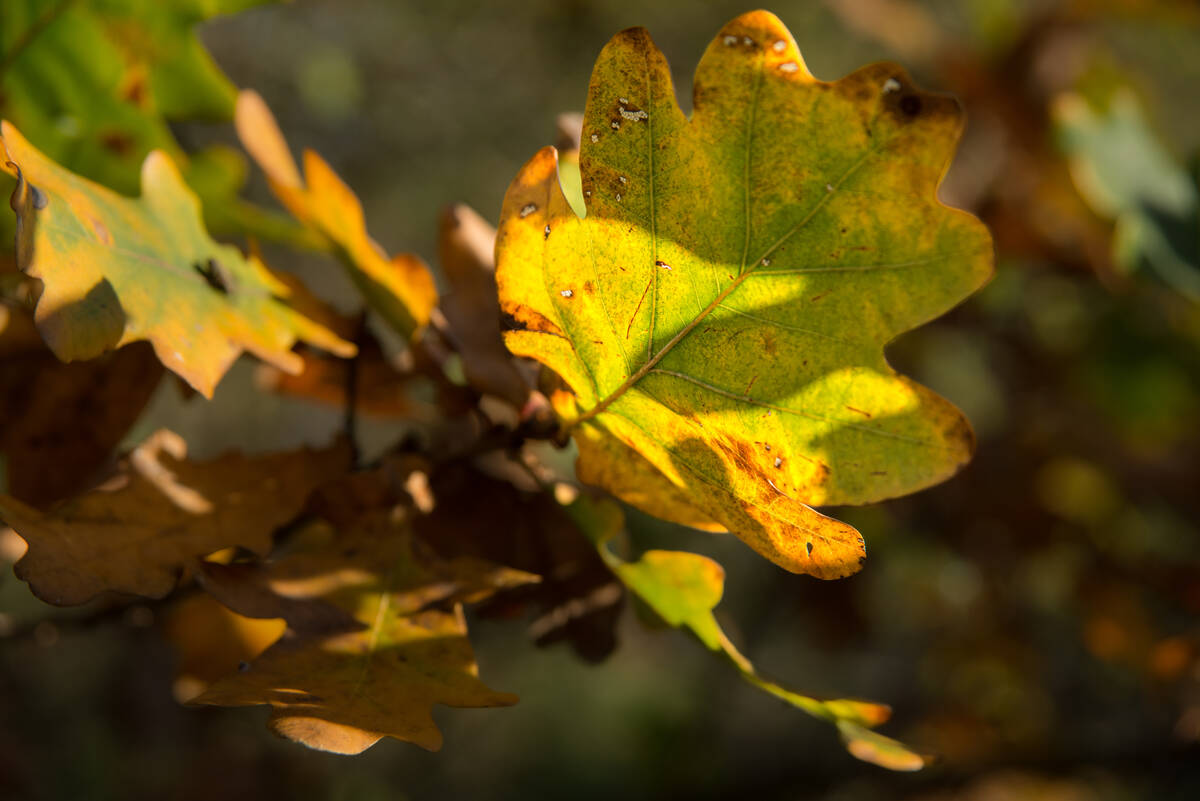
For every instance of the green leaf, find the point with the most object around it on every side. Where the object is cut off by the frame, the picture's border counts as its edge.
(95, 83)
(115, 270)
(720, 314)
(1126, 174)
(684, 588)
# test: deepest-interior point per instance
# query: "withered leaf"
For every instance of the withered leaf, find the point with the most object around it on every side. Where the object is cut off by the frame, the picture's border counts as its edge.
(344, 692)
(138, 532)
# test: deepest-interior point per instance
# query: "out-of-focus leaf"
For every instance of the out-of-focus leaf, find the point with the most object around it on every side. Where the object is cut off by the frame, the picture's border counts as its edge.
(465, 248)
(211, 642)
(401, 289)
(720, 314)
(95, 83)
(382, 388)
(352, 563)
(683, 589)
(116, 270)
(1125, 174)
(578, 599)
(59, 423)
(345, 692)
(140, 530)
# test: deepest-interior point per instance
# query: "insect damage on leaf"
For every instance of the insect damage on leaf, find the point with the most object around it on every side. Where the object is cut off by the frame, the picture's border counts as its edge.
(116, 270)
(801, 225)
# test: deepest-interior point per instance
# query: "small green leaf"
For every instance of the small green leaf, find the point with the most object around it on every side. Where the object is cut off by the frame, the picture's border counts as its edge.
(684, 588)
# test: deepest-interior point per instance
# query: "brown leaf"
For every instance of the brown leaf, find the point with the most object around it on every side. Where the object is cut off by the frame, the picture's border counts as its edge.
(337, 571)
(578, 599)
(247, 589)
(59, 423)
(344, 692)
(382, 388)
(465, 245)
(211, 642)
(139, 531)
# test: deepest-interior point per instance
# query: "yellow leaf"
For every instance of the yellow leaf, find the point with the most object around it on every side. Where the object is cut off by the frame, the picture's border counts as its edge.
(721, 311)
(401, 289)
(116, 270)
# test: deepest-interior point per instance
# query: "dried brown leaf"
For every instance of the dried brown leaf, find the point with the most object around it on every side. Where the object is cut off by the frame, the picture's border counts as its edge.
(138, 532)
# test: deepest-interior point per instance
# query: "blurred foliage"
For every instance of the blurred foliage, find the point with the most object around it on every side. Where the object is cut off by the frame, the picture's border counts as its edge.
(1033, 622)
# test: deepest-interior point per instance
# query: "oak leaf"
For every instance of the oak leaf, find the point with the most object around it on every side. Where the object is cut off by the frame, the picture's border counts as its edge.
(684, 588)
(466, 244)
(720, 314)
(344, 692)
(140, 530)
(400, 289)
(95, 84)
(60, 423)
(578, 600)
(116, 270)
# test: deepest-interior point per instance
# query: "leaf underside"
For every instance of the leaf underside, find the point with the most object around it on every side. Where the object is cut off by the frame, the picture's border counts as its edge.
(720, 314)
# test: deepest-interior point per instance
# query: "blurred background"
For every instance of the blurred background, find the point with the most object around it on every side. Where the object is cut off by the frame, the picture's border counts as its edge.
(1035, 621)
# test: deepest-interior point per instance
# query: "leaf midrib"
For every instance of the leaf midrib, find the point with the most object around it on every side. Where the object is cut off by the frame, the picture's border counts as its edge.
(725, 293)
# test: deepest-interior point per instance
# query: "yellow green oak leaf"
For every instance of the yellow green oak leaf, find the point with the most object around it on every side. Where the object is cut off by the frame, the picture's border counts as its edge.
(684, 588)
(116, 270)
(719, 315)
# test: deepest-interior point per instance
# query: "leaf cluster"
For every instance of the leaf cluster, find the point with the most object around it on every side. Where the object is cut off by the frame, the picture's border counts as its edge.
(699, 306)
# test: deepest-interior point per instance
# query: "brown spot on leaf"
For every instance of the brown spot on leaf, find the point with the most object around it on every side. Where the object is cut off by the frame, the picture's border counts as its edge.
(117, 142)
(101, 231)
(518, 317)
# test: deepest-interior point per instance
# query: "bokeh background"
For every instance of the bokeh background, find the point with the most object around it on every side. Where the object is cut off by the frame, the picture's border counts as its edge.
(1035, 621)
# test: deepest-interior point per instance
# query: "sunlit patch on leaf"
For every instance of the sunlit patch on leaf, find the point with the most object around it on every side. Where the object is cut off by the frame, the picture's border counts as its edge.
(721, 312)
(400, 289)
(143, 528)
(116, 270)
(342, 692)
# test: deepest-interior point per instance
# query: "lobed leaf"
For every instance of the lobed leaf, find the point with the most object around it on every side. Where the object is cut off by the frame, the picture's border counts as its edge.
(116, 270)
(343, 692)
(52, 450)
(719, 316)
(401, 289)
(139, 531)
